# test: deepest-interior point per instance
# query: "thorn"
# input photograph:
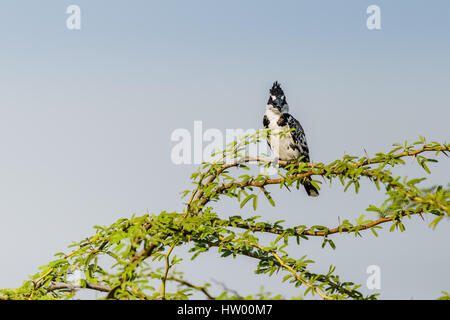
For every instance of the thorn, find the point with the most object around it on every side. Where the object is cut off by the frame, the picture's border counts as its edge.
(366, 153)
(286, 186)
(413, 158)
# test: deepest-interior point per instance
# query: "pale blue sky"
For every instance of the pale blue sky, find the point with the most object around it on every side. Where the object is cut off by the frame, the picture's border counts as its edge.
(86, 118)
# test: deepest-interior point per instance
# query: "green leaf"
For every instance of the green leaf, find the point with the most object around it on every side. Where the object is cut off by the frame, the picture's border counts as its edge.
(255, 202)
(247, 199)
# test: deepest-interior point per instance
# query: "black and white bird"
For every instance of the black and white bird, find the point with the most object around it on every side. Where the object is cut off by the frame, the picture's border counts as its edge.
(293, 145)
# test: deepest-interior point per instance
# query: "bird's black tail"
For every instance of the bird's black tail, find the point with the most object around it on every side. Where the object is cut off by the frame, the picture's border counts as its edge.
(310, 189)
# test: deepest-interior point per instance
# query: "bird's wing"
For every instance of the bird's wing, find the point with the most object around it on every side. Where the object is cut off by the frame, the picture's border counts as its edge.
(298, 136)
(266, 121)
(266, 125)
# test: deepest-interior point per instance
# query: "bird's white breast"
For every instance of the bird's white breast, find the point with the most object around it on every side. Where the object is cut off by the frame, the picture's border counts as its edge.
(280, 145)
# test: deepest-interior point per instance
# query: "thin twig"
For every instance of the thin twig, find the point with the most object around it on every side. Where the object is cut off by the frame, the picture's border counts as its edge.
(193, 286)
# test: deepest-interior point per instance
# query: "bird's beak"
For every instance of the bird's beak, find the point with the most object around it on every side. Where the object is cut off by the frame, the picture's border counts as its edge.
(279, 103)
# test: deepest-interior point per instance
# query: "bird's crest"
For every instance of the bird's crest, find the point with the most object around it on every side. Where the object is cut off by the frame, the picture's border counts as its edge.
(276, 89)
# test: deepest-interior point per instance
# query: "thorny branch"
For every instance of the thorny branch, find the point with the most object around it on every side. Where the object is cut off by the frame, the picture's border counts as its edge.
(130, 242)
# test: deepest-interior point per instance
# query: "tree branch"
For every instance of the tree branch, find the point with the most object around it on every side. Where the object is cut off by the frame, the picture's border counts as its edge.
(89, 285)
(310, 232)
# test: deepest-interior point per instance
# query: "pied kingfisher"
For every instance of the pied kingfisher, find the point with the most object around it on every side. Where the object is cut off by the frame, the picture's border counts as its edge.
(293, 145)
